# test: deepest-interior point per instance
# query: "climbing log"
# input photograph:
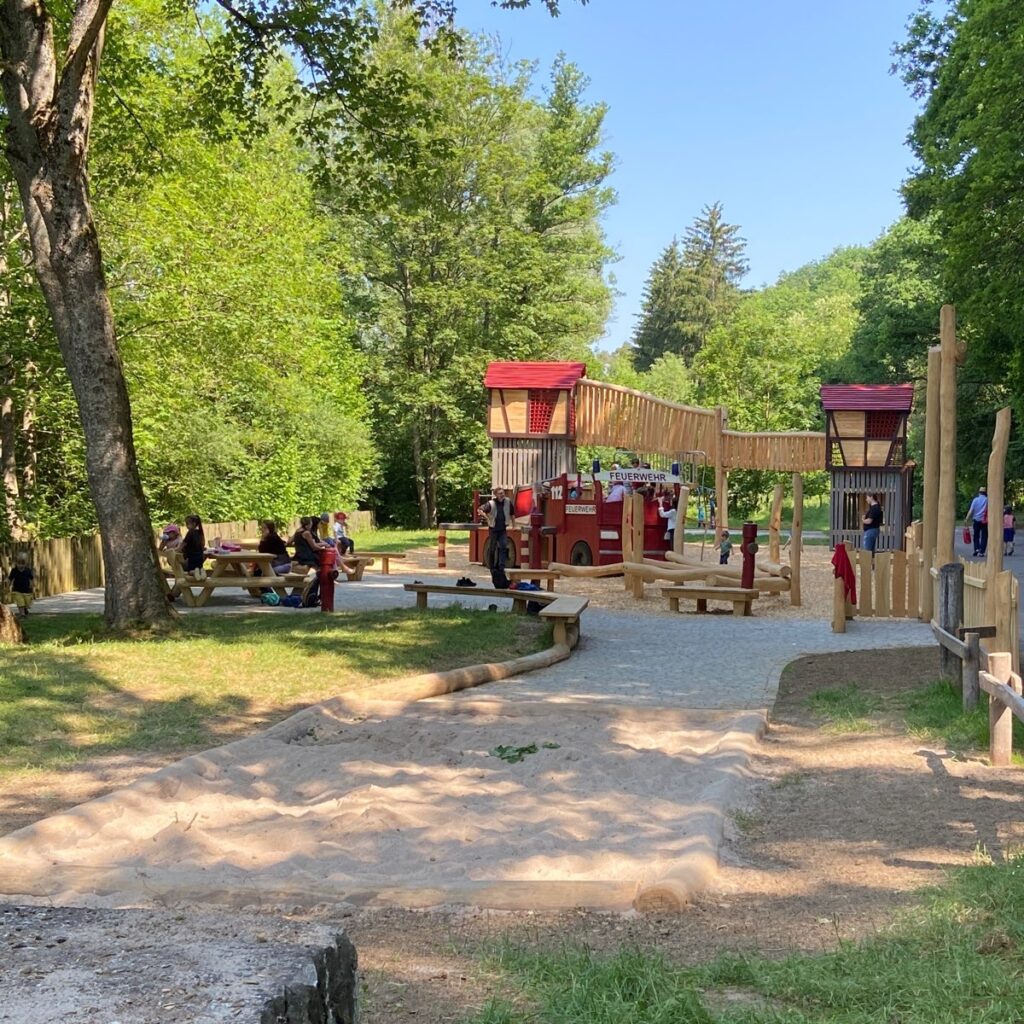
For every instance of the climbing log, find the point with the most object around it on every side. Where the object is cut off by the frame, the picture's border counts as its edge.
(796, 540)
(775, 526)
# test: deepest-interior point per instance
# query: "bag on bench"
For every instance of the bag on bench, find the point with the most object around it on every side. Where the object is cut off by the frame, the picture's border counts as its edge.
(499, 580)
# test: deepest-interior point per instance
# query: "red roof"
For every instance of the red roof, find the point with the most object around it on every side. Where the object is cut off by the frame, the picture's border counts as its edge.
(899, 397)
(534, 375)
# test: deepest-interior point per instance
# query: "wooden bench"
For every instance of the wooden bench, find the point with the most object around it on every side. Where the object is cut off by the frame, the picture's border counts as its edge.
(739, 597)
(564, 612)
(535, 576)
(519, 598)
(385, 558)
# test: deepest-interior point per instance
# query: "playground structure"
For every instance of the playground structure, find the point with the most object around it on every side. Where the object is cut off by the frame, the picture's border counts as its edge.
(866, 453)
(538, 413)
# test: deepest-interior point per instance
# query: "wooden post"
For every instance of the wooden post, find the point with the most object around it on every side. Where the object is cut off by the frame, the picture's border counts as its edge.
(883, 584)
(931, 482)
(1000, 717)
(949, 614)
(996, 478)
(864, 605)
(913, 575)
(838, 605)
(796, 541)
(638, 542)
(679, 537)
(971, 667)
(945, 519)
(721, 476)
(627, 537)
(775, 525)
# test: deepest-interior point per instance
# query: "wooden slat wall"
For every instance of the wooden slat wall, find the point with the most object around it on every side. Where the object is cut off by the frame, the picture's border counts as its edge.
(618, 417)
(519, 461)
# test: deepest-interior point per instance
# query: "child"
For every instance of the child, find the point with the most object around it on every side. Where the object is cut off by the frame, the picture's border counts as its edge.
(193, 548)
(669, 515)
(22, 579)
(1009, 530)
(342, 541)
(724, 548)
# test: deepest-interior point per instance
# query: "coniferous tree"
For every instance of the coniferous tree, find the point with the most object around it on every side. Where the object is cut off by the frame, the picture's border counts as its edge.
(662, 326)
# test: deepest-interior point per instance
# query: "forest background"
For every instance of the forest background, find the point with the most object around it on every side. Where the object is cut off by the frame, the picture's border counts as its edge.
(301, 333)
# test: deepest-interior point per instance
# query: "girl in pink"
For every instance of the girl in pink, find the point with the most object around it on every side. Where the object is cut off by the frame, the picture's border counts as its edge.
(1009, 530)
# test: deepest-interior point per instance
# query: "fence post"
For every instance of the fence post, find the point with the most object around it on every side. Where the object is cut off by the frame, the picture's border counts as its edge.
(838, 605)
(950, 614)
(1000, 717)
(971, 667)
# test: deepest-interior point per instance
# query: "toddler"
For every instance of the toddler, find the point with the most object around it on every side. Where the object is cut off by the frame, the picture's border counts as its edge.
(22, 580)
(724, 548)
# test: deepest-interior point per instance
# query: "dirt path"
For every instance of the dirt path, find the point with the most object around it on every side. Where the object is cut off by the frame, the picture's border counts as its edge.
(836, 833)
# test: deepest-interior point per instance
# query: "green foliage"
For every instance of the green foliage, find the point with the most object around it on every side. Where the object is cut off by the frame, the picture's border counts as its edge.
(691, 288)
(488, 246)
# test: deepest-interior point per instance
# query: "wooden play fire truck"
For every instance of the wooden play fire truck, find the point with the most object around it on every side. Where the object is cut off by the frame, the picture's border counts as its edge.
(531, 422)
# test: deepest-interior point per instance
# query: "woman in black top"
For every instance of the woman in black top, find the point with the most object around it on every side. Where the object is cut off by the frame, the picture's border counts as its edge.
(272, 543)
(193, 547)
(305, 543)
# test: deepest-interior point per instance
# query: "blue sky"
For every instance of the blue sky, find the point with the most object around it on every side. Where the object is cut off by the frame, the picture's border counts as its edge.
(784, 110)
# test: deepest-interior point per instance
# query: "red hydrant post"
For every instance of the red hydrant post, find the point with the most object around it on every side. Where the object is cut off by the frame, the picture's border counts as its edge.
(536, 522)
(749, 553)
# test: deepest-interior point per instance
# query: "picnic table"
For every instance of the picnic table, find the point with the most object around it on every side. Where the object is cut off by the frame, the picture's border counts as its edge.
(230, 569)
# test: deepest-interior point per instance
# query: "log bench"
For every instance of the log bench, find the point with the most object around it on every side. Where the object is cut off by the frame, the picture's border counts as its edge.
(564, 612)
(519, 598)
(535, 576)
(739, 597)
(384, 556)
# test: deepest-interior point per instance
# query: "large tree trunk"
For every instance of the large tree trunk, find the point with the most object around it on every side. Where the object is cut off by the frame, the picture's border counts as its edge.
(421, 477)
(8, 458)
(50, 114)
(10, 628)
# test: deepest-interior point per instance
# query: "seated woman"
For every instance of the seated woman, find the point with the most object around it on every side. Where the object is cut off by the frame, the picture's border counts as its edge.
(272, 543)
(306, 544)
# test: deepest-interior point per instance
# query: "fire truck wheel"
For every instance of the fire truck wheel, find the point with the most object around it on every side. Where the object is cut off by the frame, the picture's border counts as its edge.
(581, 554)
(511, 561)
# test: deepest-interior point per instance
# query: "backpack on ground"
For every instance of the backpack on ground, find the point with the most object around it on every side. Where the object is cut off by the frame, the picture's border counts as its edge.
(311, 598)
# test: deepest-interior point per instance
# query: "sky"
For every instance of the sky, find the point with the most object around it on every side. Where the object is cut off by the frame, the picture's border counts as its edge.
(782, 110)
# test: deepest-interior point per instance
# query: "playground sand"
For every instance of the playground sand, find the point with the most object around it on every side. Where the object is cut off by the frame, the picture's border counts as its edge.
(372, 801)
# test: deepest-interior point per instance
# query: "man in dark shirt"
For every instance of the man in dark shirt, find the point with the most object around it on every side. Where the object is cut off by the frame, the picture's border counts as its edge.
(872, 523)
(499, 517)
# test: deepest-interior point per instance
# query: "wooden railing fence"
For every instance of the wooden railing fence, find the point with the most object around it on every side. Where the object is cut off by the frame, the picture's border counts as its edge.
(64, 564)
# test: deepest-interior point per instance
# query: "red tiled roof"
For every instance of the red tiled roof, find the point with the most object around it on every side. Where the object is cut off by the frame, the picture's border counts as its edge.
(899, 397)
(534, 375)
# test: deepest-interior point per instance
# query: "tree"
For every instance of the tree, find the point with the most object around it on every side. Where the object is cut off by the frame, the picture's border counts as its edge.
(691, 288)
(487, 246)
(49, 81)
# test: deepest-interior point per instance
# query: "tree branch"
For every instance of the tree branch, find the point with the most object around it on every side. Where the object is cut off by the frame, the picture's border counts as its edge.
(86, 26)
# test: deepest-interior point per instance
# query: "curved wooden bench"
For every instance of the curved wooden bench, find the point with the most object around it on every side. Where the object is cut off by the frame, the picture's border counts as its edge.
(739, 597)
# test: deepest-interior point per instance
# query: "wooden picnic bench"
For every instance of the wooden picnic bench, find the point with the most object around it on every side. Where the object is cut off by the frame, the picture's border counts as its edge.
(230, 569)
(564, 612)
(535, 576)
(739, 597)
(519, 598)
(385, 558)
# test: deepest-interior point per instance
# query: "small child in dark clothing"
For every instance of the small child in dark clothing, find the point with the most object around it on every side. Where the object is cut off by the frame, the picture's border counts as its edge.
(22, 580)
(724, 548)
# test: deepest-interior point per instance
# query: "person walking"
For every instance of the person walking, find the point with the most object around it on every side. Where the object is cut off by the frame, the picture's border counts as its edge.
(1009, 530)
(872, 523)
(977, 519)
(498, 512)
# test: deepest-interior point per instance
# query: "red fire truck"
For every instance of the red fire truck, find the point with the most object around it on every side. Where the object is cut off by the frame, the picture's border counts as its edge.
(580, 526)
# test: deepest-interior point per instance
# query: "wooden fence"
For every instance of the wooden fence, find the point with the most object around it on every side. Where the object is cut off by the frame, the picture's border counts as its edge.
(64, 564)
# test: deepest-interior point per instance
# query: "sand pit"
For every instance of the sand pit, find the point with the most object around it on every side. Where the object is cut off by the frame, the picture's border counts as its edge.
(378, 802)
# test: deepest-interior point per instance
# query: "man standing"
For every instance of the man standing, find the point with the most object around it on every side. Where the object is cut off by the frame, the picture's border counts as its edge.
(498, 512)
(872, 523)
(977, 518)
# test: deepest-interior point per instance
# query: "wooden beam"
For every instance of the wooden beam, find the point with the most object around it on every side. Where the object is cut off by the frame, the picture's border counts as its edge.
(775, 525)
(994, 556)
(679, 537)
(838, 605)
(796, 542)
(721, 476)
(883, 584)
(864, 591)
(899, 584)
(950, 613)
(926, 596)
(971, 663)
(946, 516)
(995, 682)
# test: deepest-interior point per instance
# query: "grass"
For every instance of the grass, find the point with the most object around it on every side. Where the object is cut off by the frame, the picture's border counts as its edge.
(933, 714)
(816, 516)
(403, 540)
(956, 959)
(75, 691)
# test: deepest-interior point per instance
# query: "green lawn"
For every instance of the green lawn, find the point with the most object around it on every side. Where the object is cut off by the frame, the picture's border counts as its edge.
(403, 540)
(956, 960)
(75, 691)
(816, 516)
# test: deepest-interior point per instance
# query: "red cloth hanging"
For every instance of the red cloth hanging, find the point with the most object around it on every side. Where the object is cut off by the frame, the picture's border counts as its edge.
(844, 571)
